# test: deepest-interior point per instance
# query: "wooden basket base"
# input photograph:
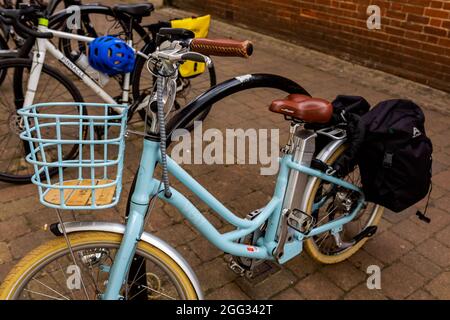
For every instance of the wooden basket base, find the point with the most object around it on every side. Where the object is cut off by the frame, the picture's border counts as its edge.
(82, 197)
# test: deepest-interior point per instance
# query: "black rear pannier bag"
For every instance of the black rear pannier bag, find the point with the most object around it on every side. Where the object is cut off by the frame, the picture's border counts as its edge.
(393, 154)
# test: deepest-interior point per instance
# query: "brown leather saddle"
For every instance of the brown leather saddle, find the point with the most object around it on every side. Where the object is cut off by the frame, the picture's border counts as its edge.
(304, 108)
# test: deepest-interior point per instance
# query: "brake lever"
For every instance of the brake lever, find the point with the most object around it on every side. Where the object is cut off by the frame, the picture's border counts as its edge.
(169, 53)
(12, 17)
(197, 57)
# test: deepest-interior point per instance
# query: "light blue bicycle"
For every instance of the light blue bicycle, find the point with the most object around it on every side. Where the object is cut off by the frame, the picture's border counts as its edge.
(310, 207)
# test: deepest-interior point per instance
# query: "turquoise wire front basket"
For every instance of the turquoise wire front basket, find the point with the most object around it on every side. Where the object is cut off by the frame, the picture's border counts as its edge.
(77, 152)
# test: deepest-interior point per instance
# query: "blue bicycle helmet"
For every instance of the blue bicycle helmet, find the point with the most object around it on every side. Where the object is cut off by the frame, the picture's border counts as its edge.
(111, 55)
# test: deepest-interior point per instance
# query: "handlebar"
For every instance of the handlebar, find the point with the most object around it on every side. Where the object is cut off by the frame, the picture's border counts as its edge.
(13, 16)
(222, 47)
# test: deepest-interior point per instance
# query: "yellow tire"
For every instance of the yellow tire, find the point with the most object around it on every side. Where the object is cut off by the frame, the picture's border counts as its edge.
(52, 250)
(310, 244)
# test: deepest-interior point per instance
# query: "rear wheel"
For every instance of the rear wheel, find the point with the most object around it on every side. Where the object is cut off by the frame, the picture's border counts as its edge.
(324, 247)
(52, 87)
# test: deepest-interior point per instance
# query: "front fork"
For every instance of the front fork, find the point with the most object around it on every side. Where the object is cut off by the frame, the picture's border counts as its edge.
(39, 52)
(135, 221)
(33, 82)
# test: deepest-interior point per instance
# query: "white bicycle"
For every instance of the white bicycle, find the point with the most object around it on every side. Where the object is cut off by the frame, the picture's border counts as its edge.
(25, 82)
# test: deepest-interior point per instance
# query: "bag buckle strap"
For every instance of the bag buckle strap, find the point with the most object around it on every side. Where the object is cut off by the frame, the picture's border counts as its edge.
(387, 159)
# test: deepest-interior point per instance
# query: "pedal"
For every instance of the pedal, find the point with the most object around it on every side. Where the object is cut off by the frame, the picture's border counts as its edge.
(300, 221)
(236, 268)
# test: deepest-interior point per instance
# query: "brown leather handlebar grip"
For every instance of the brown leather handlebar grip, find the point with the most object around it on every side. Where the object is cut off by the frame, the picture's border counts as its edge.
(222, 47)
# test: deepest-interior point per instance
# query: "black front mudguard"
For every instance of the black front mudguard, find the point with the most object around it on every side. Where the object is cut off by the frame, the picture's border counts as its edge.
(227, 88)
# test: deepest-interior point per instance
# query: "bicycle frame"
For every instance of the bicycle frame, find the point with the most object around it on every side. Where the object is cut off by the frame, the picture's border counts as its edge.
(147, 186)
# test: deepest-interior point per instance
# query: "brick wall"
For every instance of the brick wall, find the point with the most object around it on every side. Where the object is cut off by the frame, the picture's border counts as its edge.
(413, 42)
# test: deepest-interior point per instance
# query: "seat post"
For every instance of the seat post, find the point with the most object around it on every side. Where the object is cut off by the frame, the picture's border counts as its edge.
(133, 12)
(129, 32)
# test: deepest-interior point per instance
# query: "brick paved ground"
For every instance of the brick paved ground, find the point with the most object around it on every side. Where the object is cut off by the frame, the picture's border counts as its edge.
(414, 257)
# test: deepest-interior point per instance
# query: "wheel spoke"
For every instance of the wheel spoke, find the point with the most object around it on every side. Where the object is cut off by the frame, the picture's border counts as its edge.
(51, 289)
(134, 279)
(159, 292)
(65, 278)
(43, 294)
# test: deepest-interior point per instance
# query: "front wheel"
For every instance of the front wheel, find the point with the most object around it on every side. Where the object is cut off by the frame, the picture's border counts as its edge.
(48, 272)
(326, 248)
